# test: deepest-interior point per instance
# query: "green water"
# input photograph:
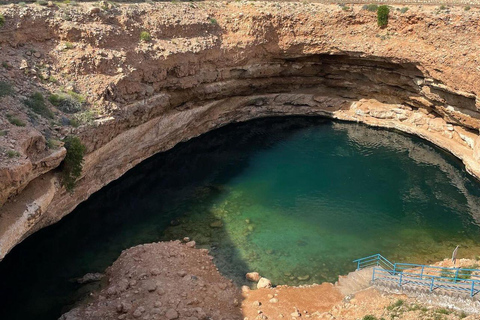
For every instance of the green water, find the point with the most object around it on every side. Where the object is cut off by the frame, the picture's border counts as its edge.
(296, 199)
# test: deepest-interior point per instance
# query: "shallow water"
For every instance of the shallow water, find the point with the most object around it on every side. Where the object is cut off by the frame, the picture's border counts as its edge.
(291, 198)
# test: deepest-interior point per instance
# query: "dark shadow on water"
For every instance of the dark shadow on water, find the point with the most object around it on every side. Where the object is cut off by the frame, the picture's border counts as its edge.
(37, 277)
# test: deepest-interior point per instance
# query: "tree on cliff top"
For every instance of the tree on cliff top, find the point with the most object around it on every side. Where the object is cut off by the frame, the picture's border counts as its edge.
(73, 162)
(382, 16)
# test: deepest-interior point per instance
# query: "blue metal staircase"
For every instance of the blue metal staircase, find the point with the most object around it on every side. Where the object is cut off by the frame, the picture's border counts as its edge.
(422, 276)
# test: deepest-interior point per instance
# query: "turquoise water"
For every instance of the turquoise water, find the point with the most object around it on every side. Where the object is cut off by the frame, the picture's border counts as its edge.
(296, 199)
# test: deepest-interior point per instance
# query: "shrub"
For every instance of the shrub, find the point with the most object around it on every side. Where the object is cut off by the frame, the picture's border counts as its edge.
(396, 304)
(42, 2)
(2, 20)
(382, 16)
(68, 45)
(12, 153)
(404, 9)
(370, 7)
(369, 317)
(53, 143)
(213, 21)
(145, 36)
(36, 102)
(67, 103)
(5, 89)
(467, 8)
(15, 121)
(80, 118)
(73, 163)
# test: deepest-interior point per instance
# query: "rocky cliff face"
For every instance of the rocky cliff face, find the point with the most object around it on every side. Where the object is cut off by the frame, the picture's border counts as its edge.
(209, 64)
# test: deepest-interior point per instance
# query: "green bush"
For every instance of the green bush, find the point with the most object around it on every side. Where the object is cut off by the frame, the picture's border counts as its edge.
(370, 7)
(213, 21)
(382, 16)
(145, 36)
(404, 9)
(2, 20)
(396, 304)
(467, 8)
(66, 102)
(36, 102)
(5, 89)
(12, 153)
(369, 317)
(15, 121)
(73, 163)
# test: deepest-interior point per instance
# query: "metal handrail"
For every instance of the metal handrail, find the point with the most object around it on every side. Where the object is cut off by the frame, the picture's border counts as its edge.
(432, 282)
(460, 279)
(374, 260)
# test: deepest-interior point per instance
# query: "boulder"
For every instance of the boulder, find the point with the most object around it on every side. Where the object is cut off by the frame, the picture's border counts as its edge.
(90, 277)
(264, 283)
(253, 276)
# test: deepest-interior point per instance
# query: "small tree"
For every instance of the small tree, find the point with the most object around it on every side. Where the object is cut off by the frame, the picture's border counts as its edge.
(73, 162)
(382, 16)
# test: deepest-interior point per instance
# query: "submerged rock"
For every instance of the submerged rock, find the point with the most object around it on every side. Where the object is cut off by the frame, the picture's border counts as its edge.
(90, 277)
(253, 276)
(216, 224)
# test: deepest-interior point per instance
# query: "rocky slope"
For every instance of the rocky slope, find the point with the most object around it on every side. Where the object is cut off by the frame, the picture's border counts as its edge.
(171, 280)
(212, 63)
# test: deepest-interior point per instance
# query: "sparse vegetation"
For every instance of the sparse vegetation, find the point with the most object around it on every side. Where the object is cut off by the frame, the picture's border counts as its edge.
(36, 102)
(12, 153)
(68, 45)
(70, 102)
(382, 16)
(42, 2)
(5, 89)
(3, 133)
(53, 143)
(145, 36)
(73, 163)
(370, 7)
(467, 8)
(396, 304)
(213, 21)
(80, 118)
(369, 317)
(2, 20)
(404, 9)
(15, 121)
(443, 311)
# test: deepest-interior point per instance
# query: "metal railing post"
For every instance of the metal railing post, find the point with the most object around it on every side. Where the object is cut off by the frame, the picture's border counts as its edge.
(473, 289)
(421, 274)
(400, 281)
(373, 275)
(358, 265)
(431, 285)
(456, 275)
